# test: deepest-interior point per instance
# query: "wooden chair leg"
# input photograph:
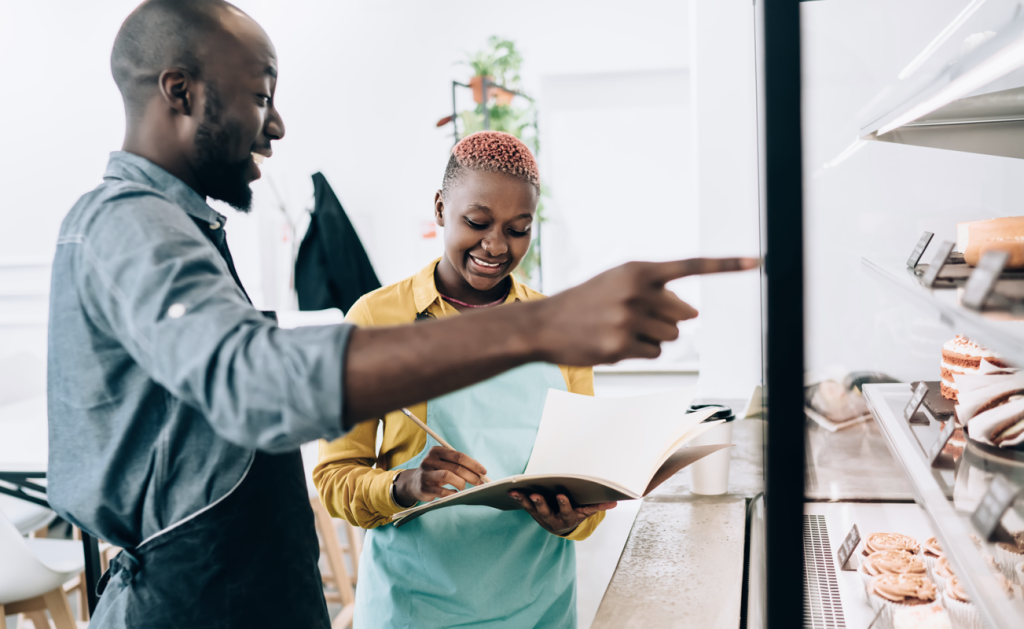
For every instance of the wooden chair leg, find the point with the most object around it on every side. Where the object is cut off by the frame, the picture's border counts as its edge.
(38, 618)
(57, 604)
(336, 563)
(344, 618)
(355, 547)
(335, 560)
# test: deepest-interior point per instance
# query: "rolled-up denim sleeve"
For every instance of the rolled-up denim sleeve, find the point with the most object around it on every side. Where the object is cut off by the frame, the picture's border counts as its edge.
(153, 281)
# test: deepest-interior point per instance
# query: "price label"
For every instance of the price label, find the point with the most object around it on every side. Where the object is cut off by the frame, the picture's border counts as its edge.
(849, 545)
(1000, 495)
(922, 244)
(947, 431)
(983, 279)
(915, 401)
(939, 261)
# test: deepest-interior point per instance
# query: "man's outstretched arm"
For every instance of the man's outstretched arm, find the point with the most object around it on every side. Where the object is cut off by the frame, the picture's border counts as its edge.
(623, 313)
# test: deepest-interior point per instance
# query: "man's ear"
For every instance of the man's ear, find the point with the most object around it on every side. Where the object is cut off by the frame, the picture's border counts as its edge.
(177, 87)
(439, 208)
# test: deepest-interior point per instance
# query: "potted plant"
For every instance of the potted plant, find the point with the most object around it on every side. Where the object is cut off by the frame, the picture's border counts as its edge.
(499, 63)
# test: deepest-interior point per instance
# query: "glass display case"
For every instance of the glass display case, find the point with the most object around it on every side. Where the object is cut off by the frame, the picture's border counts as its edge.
(882, 121)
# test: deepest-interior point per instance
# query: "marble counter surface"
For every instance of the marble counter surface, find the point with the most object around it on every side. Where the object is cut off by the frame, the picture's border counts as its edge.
(682, 565)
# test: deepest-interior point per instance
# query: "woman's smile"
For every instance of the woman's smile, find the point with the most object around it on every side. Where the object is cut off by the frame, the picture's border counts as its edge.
(488, 268)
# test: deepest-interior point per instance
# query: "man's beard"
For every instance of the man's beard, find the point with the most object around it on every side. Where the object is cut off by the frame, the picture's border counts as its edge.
(219, 177)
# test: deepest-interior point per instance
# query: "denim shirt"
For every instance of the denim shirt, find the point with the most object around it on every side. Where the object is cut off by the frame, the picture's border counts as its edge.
(163, 380)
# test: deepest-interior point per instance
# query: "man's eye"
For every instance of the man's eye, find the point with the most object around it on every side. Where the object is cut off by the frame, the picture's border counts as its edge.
(519, 234)
(475, 225)
(264, 99)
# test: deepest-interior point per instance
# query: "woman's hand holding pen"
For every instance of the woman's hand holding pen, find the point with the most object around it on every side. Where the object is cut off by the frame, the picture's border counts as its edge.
(562, 521)
(442, 466)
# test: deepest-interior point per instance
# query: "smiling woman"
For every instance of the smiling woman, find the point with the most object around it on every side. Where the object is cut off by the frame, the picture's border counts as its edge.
(486, 204)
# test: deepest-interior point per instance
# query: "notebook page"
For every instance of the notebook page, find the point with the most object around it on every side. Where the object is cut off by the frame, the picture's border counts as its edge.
(618, 439)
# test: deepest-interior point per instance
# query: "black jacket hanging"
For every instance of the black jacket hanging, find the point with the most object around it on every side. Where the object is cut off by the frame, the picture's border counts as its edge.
(332, 269)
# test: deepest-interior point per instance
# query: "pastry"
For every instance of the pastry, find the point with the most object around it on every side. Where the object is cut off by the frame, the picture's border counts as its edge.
(931, 548)
(962, 612)
(892, 562)
(906, 589)
(921, 617)
(889, 541)
(975, 238)
(942, 572)
(889, 593)
(1008, 556)
(995, 414)
(962, 356)
(931, 551)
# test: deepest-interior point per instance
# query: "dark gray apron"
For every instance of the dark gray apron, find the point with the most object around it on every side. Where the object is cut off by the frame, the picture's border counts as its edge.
(248, 561)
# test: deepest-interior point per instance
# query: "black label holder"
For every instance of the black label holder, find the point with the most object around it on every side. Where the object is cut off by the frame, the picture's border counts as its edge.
(997, 500)
(845, 556)
(922, 244)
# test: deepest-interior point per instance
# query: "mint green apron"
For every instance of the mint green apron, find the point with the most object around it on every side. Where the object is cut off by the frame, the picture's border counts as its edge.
(473, 566)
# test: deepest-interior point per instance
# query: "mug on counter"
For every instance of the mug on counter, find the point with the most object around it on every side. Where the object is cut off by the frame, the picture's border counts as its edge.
(710, 475)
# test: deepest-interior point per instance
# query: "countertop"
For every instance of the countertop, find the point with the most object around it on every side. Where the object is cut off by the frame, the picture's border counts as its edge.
(682, 565)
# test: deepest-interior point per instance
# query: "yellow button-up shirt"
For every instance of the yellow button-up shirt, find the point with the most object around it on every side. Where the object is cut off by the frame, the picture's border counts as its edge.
(352, 477)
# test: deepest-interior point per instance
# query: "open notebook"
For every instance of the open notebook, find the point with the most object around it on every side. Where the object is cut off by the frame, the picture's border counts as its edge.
(597, 450)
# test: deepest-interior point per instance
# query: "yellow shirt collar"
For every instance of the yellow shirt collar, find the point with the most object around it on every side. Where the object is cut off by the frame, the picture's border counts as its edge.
(424, 290)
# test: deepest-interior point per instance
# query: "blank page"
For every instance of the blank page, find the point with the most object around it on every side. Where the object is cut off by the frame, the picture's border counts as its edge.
(619, 439)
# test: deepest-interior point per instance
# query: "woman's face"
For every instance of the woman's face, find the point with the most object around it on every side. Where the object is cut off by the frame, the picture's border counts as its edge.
(487, 219)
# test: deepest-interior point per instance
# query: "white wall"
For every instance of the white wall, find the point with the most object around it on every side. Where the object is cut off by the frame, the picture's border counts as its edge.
(726, 171)
(878, 200)
(361, 87)
(617, 151)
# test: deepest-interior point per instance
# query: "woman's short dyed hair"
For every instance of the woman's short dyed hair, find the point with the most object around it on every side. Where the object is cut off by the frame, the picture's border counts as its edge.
(491, 151)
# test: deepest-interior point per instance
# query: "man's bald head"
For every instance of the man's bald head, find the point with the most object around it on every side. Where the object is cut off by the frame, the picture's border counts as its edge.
(198, 79)
(158, 35)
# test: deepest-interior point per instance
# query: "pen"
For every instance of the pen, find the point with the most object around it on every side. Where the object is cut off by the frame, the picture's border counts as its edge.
(419, 422)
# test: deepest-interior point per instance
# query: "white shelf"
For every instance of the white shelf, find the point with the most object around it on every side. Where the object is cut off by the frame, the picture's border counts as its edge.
(998, 330)
(932, 492)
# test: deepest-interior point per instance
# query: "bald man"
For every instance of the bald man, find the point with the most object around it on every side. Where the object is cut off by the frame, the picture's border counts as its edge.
(176, 408)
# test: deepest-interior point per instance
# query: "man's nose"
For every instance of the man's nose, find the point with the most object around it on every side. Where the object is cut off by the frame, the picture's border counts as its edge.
(274, 129)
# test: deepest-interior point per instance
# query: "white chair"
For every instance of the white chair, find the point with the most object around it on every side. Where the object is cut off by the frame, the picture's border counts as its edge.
(32, 576)
(25, 516)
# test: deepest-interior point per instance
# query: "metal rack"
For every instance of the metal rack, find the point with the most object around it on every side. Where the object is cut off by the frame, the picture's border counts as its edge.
(933, 490)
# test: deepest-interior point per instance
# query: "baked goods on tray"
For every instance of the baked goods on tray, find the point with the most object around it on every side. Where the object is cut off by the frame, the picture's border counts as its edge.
(975, 238)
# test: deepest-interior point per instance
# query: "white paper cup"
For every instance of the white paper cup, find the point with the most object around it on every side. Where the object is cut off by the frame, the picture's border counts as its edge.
(710, 475)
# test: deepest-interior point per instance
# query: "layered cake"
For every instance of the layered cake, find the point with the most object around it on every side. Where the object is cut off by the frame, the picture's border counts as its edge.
(975, 238)
(994, 415)
(961, 357)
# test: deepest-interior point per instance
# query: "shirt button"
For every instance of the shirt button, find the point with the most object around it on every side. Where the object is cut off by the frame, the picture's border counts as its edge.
(215, 225)
(176, 311)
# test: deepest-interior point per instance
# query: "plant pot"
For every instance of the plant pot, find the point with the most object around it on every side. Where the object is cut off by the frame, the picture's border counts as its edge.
(502, 96)
(477, 84)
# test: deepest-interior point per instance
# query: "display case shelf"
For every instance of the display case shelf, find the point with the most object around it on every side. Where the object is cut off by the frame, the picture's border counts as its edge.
(946, 500)
(1000, 330)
